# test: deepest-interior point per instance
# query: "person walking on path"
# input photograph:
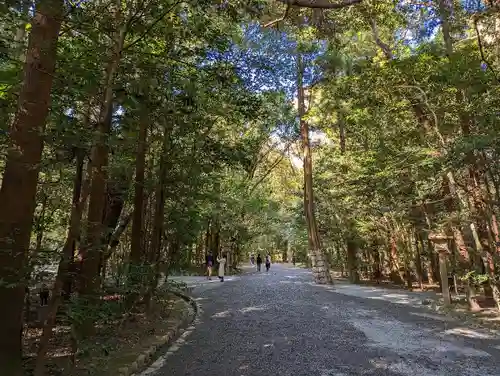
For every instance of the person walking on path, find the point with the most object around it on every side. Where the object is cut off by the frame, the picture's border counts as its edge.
(259, 262)
(209, 260)
(44, 295)
(268, 262)
(222, 263)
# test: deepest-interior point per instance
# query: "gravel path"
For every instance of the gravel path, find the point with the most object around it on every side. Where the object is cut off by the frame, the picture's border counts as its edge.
(282, 324)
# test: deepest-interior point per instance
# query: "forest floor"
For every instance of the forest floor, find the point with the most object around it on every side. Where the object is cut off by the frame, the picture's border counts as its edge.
(281, 323)
(118, 339)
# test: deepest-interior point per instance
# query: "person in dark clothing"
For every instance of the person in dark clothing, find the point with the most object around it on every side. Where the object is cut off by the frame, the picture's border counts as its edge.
(44, 295)
(209, 260)
(259, 262)
(268, 262)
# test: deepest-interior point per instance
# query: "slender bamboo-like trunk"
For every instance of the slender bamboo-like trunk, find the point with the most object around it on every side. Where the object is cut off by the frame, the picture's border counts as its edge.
(136, 248)
(199, 249)
(320, 267)
(418, 260)
(493, 224)
(352, 261)
(39, 230)
(19, 183)
(80, 194)
(208, 236)
(154, 254)
(351, 243)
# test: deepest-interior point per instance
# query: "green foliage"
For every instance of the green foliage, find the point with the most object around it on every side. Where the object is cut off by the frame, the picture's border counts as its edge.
(394, 117)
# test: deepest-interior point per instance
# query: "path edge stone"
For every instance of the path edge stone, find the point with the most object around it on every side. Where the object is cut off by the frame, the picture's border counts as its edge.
(145, 358)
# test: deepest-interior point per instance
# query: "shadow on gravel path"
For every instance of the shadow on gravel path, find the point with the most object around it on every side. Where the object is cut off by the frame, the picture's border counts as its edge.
(280, 323)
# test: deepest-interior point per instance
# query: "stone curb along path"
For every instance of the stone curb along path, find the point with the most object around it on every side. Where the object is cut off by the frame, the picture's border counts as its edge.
(175, 336)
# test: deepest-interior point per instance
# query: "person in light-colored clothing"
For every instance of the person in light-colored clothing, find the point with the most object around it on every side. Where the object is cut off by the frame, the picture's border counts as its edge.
(222, 263)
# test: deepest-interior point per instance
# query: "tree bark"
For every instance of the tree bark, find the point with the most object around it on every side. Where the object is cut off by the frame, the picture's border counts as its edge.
(320, 267)
(39, 230)
(136, 249)
(418, 261)
(352, 261)
(117, 233)
(19, 183)
(445, 13)
(116, 195)
(92, 252)
(157, 233)
(199, 249)
(79, 197)
(320, 4)
(352, 235)
(395, 269)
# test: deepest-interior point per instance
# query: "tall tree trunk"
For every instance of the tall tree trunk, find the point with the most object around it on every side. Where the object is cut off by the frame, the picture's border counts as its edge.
(418, 260)
(427, 263)
(445, 13)
(352, 261)
(395, 269)
(19, 183)
(377, 270)
(117, 233)
(116, 194)
(352, 234)
(199, 249)
(214, 237)
(136, 249)
(434, 262)
(39, 229)
(94, 247)
(320, 267)
(158, 220)
(80, 194)
(208, 236)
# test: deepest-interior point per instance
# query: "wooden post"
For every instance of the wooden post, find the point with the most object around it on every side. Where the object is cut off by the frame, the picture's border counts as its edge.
(440, 242)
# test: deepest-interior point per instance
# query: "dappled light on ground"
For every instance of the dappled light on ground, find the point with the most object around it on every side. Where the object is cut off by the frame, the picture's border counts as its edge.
(222, 314)
(229, 312)
(404, 338)
(470, 333)
(432, 316)
(414, 299)
(404, 369)
(292, 282)
(200, 299)
(252, 309)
